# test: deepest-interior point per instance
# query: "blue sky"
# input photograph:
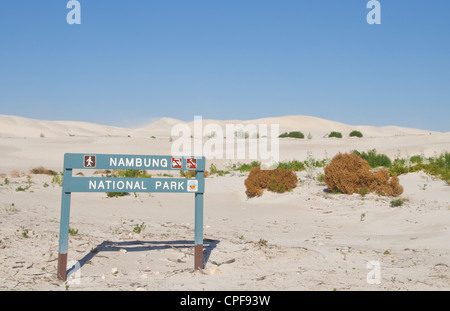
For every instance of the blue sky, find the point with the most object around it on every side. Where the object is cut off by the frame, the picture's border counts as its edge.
(130, 62)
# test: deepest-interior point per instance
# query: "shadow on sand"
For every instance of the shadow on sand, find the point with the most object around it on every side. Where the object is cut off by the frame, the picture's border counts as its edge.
(142, 246)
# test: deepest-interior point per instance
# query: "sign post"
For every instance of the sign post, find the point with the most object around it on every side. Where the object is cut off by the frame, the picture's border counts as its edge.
(112, 184)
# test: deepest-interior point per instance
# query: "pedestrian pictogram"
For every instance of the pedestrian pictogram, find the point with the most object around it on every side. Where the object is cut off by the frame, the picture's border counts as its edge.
(89, 161)
(176, 163)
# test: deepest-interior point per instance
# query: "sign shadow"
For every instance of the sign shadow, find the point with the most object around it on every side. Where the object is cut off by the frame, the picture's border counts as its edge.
(142, 246)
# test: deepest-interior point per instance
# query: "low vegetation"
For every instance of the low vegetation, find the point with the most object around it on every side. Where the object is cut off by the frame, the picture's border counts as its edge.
(125, 173)
(42, 171)
(349, 173)
(335, 134)
(295, 134)
(356, 134)
(277, 180)
(374, 159)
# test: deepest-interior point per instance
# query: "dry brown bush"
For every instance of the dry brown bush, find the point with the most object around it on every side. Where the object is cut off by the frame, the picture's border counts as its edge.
(277, 180)
(348, 173)
(42, 170)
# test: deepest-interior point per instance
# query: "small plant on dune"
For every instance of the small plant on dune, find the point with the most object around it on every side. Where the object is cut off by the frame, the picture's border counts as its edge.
(296, 134)
(214, 171)
(320, 177)
(73, 231)
(397, 202)
(262, 242)
(191, 174)
(335, 134)
(58, 179)
(116, 194)
(363, 191)
(356, 134)
(138, 228)
(134, 174)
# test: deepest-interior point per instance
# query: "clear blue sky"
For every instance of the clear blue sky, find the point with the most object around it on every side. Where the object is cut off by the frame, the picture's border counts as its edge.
(132, 61)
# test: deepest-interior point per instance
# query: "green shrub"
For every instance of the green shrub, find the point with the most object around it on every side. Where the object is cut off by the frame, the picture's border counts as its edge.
(292, 165)
(363, 191)
(375, 159)
(398, 168)
(335, 134)
(438, 166)
(356, 134)
(213, 170)
(58, 179)
(116, 194)
(417, 159)
(397, 202)
(248, 167)
(296, 134)
(134, 174)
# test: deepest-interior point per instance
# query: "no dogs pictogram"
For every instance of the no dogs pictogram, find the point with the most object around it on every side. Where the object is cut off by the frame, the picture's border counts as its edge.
(176, 163)
(191, 163)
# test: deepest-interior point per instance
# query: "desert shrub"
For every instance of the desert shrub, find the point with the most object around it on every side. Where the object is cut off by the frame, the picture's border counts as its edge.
(43, 171)
(277, 180)
(116, 194)
(214, 171)
(356, 134)
(399, 168)
(417, 159)
(374, 159)
(348, 173)
(397, 202)
(296, 134)
(191, 174)
(438, 166)
(335, 134)
(134, 174)
(248, 167)
(292, 165)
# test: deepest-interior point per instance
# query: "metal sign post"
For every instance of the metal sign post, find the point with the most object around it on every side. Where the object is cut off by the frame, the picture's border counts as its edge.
(112, 184)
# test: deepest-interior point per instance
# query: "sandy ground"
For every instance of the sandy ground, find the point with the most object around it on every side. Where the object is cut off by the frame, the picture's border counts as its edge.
(306, 239)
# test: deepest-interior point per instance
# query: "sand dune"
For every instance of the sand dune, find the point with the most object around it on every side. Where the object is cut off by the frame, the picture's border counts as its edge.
(15, 126)
(306, 239)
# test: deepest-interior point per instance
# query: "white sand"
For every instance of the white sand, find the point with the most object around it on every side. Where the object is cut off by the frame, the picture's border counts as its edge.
(304, 239)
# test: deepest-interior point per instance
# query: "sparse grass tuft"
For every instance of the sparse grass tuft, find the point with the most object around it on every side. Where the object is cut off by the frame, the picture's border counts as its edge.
(42, 171)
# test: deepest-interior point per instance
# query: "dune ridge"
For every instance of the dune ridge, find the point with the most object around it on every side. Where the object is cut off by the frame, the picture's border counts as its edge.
(16, 126)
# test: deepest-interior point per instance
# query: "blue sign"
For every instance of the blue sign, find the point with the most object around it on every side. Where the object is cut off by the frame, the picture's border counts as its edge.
(74, 184)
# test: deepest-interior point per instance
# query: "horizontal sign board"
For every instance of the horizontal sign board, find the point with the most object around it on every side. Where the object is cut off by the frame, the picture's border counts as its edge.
(112, 184)
(132, 162)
